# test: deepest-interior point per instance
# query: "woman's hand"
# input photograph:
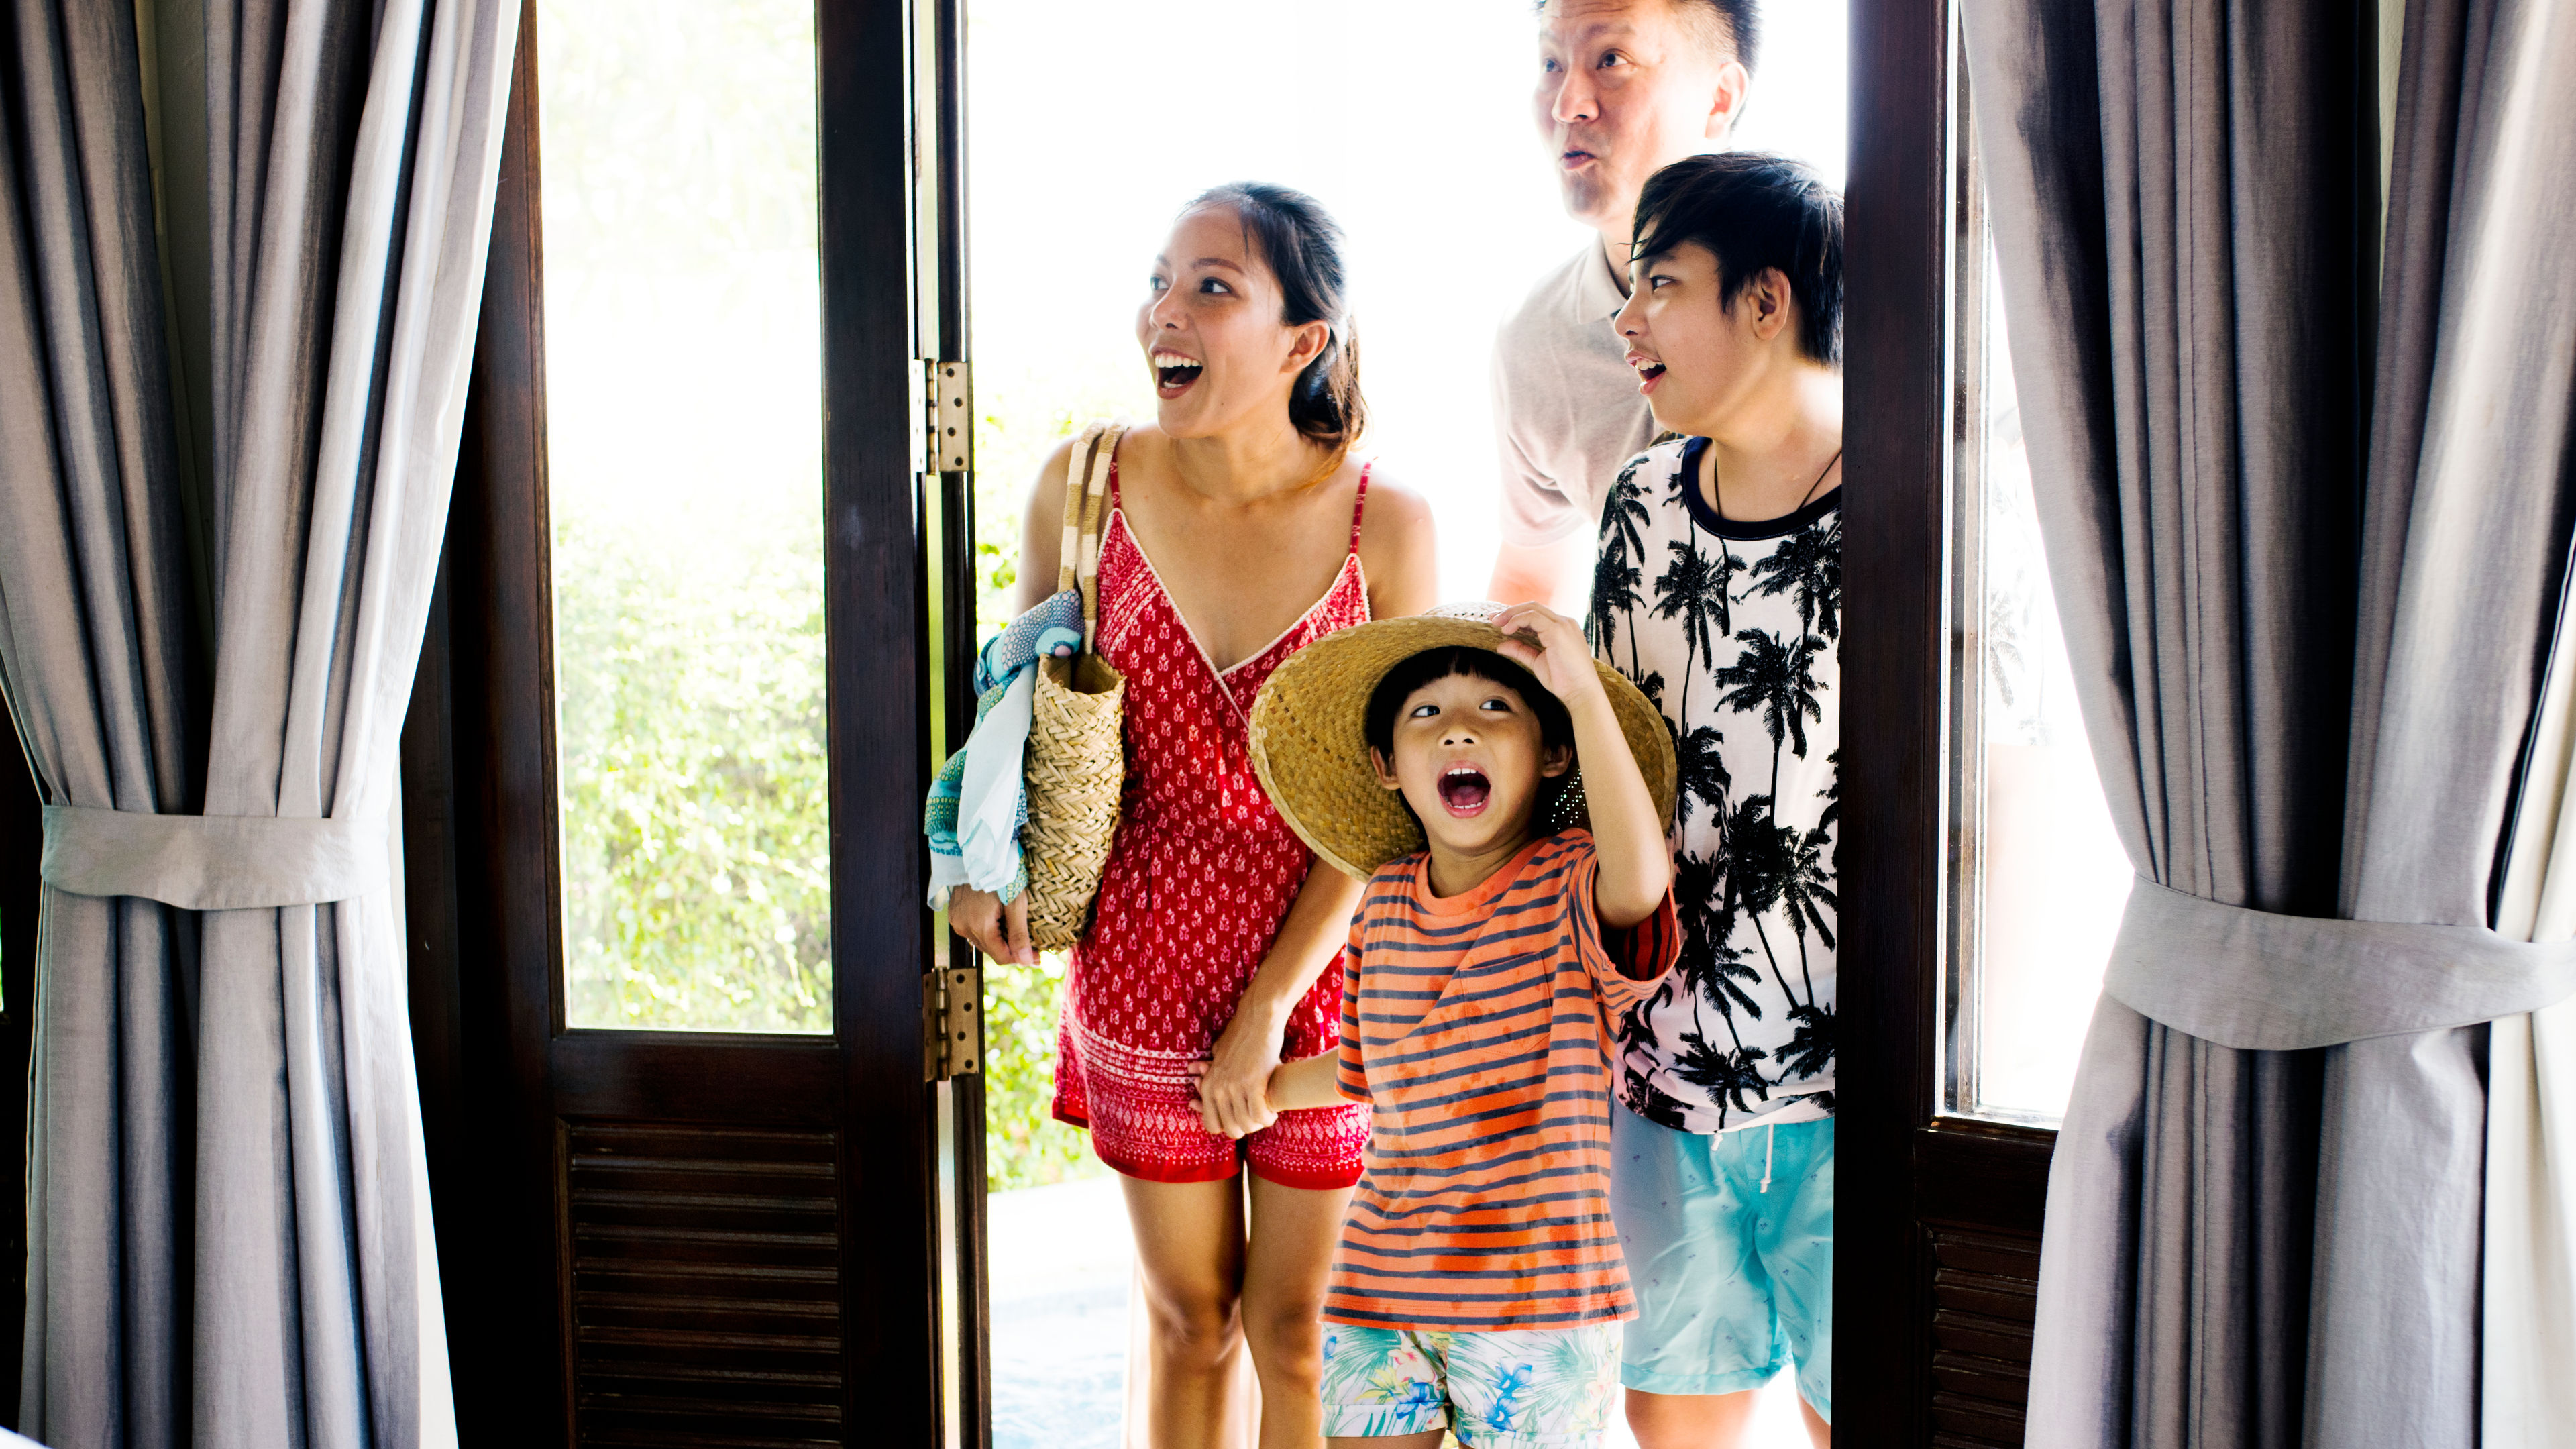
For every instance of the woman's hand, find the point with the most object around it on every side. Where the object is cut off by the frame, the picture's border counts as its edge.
(1552, 648)
(1001, 932)
(1234, 1087)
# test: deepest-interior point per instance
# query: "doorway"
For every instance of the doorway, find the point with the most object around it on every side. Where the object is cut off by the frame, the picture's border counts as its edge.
(804, 1144)
(1412, 124)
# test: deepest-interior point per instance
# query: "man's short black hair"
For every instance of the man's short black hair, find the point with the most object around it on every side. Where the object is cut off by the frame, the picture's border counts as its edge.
(1738, 23)
(1756, 210)
(1732, 29)
(1555, 726)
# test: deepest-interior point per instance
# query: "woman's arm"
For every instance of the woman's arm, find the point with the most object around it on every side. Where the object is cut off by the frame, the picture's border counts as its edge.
(1233, 1099)
(1002, 932)
(1042, 531)
(1399, 550)
(1635, 862)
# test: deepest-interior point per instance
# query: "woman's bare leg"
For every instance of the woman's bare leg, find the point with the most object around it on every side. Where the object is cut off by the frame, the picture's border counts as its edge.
(1189, 1242)
(1290, 1256)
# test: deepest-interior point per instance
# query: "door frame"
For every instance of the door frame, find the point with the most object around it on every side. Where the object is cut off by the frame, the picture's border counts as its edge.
(494, 1053)
(1929, 1330)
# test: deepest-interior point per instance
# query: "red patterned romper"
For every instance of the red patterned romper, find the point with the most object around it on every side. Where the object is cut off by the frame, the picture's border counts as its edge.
(1200, 875)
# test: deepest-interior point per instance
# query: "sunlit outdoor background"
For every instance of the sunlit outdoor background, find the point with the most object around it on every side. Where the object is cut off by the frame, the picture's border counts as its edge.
(683, 349)
(1089, 127)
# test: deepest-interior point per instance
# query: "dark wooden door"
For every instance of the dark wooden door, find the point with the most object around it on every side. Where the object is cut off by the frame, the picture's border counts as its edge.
(695, 1238)
(1937, 1233)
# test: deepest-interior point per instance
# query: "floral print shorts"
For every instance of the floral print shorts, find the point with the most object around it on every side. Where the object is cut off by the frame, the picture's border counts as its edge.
(1521, 1388)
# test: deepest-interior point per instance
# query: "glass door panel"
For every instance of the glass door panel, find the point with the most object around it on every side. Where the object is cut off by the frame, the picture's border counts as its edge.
(2039, 877)
(683, 387)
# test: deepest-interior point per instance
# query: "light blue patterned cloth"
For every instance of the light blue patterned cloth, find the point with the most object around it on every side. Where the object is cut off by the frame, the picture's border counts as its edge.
(980, 801)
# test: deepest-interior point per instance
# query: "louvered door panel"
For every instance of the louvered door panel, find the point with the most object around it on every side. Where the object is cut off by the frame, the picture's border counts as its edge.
(706, 1292)
(1984, 1292)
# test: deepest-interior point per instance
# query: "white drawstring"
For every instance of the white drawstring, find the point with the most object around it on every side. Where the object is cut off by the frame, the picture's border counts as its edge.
(1770, 1139)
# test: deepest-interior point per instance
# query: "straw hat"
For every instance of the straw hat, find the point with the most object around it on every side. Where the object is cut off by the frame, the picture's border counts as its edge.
(1310, 737)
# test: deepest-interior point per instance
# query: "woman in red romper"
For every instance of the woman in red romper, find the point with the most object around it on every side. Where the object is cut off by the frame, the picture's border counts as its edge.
(1241, 531)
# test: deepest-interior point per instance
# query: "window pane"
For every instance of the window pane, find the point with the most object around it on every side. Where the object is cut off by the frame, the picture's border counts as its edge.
(683, 349)
(2042, 882)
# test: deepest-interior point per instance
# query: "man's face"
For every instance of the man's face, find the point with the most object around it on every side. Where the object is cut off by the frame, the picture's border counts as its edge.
(1699, 358)
(1626, 88)
(1469, 758)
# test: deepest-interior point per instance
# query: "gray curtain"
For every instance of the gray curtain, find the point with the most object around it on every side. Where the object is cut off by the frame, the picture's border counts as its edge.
(228, 1229)
(2307, 613)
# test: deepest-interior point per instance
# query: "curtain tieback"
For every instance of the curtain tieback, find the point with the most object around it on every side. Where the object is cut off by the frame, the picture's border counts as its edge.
(2263, 982)
(210, 862)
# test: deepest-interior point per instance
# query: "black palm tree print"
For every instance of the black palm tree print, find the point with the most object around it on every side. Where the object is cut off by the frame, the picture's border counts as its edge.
(1777, 679)
(1711, 967)
(1806, 884)
(1758, 856)
(1699, 770)
(1729, 1077)
(1809, 565)
(1811, 1047)
(1614, 590)
(1693, 590)
(1832, 795)
(1620, 567)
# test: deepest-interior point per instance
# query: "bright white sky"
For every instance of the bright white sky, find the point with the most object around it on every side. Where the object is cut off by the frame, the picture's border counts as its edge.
(1089, 125)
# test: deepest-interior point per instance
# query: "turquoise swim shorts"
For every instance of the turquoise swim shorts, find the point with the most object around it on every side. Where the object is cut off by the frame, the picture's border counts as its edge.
(1517, 1388)
(1730, 1247)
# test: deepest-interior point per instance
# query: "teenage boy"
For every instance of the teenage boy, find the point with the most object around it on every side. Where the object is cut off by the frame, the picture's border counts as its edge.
(1626, 87)
(1718, 589)
(1515, 909)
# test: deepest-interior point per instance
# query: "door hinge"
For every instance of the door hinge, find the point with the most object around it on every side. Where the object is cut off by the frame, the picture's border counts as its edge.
(952, 1028)
(948, 416)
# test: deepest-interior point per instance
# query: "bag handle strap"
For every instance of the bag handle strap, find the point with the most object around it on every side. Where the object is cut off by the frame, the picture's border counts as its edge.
(1086, 514)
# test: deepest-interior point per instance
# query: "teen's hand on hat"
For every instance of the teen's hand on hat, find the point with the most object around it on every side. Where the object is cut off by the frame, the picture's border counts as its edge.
(1001, 932)
(1234, 1087)
(1552, 648)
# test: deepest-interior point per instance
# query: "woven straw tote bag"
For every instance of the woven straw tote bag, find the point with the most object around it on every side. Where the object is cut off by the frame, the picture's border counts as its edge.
(1077, 754)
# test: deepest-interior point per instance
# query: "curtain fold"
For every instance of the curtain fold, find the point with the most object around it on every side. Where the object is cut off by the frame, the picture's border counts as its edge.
(96, 655)
(232, 1092)
(2306, 612)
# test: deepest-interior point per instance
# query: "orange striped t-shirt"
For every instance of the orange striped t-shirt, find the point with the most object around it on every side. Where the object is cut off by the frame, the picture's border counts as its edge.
(1478, 1030)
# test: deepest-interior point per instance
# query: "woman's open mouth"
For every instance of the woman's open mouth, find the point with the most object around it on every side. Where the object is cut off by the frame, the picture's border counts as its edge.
(1173, 373)
(1648, 369)
(1464, 791)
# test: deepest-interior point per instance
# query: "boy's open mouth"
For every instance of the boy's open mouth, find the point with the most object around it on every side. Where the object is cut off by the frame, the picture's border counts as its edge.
(1464, 791)
(1648, 369)
(1173, 372)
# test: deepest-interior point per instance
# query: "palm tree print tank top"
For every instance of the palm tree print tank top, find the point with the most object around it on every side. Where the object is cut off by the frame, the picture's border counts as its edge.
(1733, 629)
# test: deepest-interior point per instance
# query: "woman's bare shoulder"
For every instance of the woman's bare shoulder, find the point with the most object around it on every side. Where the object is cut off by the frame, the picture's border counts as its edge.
(1399, 546)
(1395, 516)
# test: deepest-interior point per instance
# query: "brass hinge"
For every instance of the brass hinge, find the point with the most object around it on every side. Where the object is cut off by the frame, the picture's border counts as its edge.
(952, 1029)
(948, 416)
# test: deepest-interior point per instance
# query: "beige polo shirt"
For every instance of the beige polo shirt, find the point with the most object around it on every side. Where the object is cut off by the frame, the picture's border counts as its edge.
(1567, 412)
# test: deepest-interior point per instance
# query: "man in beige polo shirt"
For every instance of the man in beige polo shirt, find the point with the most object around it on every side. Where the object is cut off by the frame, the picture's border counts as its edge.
(1626, 87)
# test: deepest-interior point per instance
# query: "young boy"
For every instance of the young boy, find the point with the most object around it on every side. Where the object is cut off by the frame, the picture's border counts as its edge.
(1478, 1277)
(1718, 589)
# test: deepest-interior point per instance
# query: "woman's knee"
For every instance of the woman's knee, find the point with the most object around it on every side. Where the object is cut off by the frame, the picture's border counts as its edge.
(1195, 1320)
(1285, 1335)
